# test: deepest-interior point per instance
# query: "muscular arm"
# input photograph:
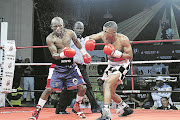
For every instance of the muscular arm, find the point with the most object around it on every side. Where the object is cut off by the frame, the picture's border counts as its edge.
(96, 36)
(134, 100)
(127, 49)
(76, 42)
(147, 99)
(52, 48)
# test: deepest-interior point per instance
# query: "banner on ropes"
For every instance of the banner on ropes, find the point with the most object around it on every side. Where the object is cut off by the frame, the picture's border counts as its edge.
(8, 65)
(148, 52)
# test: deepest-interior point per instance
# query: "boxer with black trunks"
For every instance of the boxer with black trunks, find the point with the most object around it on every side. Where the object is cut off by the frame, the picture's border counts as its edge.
(78, 59)
(119, 52)
(65, 71)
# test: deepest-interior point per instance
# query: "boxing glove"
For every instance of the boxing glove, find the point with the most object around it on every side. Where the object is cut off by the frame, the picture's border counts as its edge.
(111, 51)
(69, 52)
(90, 45)
(87, 58)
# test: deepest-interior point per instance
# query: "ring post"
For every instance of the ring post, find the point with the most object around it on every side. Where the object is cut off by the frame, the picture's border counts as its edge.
(4, 30)
(132, 80)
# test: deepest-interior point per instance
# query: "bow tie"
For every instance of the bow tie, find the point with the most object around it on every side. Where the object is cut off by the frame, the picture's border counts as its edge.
(79, 36)
(166, 108)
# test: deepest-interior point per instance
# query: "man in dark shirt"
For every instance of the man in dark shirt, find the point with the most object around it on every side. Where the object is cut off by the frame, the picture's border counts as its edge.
(166, 105)
(142, 99)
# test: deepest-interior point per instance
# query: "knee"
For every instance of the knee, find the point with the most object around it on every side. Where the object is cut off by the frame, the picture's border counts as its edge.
(106, 85)
(113, 95)
(48, 91)
(82, 88)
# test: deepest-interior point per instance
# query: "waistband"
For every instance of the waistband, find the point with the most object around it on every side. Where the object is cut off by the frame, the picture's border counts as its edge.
(124, 61)
(64, 61)
(115, 59)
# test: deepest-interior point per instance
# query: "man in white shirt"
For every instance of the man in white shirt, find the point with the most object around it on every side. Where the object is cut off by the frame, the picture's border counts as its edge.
(161, 86)
(78, 59)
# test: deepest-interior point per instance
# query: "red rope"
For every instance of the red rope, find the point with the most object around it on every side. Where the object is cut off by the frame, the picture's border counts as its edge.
(132, 42)
(132, 80)
(147, 41)
(32, 47)
(154, 41)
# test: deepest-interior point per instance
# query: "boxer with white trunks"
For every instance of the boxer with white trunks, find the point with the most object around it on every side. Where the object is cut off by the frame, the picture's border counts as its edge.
(119, 52)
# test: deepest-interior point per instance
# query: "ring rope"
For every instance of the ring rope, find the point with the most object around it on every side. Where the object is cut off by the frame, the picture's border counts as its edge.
(150, 75)
(117, 91)
(147, 41)
(103, 63)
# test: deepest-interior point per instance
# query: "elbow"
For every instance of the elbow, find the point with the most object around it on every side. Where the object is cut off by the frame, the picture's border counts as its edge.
(130, 57)
(55, 57)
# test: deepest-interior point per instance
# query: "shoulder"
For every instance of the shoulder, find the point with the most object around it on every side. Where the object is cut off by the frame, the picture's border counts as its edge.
(173, 107)
(166, 85)
(70, 32)
(49, 37)
(123, 37)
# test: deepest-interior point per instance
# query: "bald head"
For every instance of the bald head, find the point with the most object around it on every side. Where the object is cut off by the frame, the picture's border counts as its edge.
(112, 25)
(57, 21)
(78, 23)
(78, 28)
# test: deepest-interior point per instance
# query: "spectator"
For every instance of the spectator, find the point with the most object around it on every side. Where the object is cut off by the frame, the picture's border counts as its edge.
(28, 80)
(167, 32)
(85, 102)
(101, 68)
(15, 98)
(142, 99)
(161, 86)
(166, 105)
(157, 69)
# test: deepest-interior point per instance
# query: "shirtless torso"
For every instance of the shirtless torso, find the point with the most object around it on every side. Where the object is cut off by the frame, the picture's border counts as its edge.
(119, 41)
(56, 43)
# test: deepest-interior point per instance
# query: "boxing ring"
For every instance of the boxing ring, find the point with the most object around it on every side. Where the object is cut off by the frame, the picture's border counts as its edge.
(23, 113)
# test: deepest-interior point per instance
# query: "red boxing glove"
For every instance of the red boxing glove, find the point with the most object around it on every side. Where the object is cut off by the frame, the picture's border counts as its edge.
(90, 45)
(87, 58)
(69, 52)
(109, 49)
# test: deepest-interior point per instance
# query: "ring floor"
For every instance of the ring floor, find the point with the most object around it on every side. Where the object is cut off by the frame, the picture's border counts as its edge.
(23, 113)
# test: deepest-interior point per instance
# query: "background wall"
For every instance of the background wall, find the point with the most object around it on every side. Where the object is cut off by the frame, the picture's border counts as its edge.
(19, 15)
